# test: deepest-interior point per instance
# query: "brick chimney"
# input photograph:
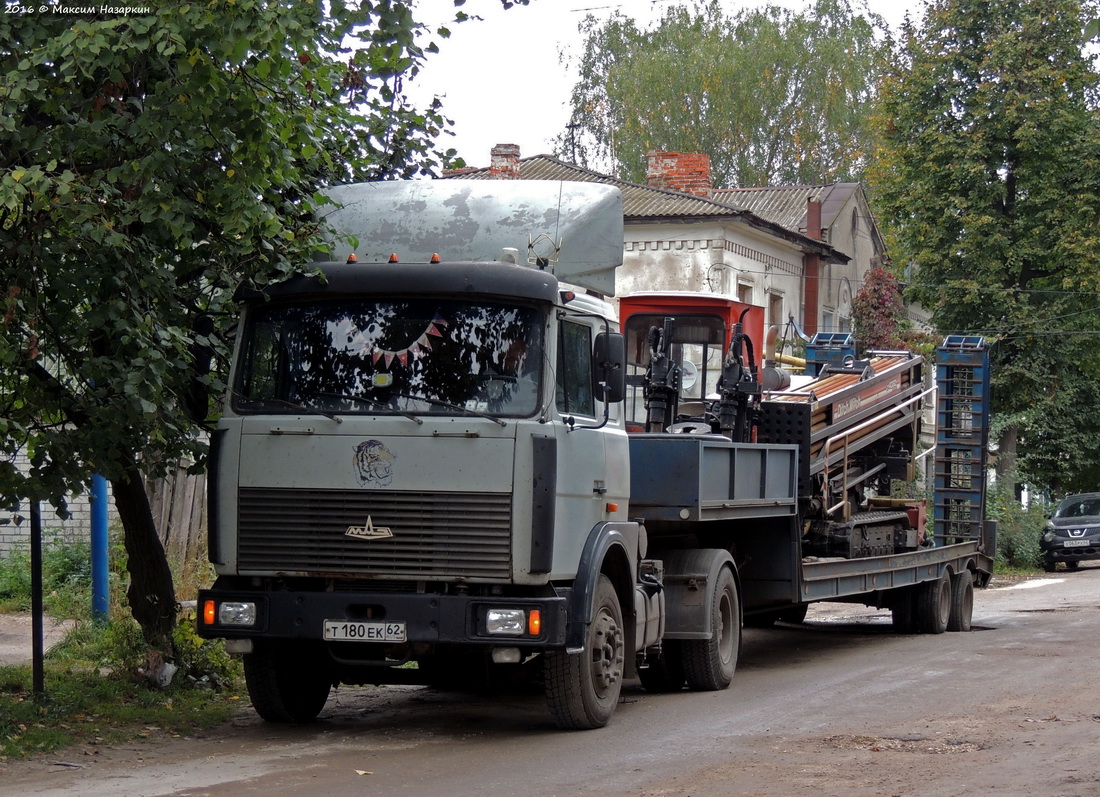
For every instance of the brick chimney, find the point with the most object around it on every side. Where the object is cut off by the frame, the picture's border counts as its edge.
(687, 172)
(504, 162)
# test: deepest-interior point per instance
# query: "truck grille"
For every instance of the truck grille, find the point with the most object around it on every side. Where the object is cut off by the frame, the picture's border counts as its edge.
(435, 535)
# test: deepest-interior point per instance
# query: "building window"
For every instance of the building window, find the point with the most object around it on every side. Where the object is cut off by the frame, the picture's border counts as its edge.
(744, 292)
(775, 309)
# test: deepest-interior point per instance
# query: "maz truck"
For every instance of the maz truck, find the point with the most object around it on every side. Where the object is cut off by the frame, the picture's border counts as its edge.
(442, 461)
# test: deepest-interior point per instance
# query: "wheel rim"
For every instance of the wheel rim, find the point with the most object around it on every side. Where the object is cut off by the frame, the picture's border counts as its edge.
(607, 653)
(945, 599)
(725, 628)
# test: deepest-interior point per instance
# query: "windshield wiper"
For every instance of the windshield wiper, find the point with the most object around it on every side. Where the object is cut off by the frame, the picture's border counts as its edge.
(372, 403)
(459, 407)
(300, 407)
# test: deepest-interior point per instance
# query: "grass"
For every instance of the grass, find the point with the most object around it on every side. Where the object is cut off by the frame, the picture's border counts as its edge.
(81, 705)
(94, 693)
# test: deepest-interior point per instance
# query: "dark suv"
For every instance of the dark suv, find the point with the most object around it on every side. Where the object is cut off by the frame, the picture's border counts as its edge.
(1073, 532)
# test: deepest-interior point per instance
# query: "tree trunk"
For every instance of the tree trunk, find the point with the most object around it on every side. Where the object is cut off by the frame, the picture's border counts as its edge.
(1005, 466)
(152, 595)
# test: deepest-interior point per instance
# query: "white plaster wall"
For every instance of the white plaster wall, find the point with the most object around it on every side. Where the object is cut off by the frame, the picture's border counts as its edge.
(711, 258)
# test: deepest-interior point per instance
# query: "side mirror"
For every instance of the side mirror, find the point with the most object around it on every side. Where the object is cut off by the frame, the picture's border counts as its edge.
(609, 356)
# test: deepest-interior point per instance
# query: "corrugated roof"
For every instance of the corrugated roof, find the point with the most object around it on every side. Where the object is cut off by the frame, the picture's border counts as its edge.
(786, 204)
(643, 203)
(639, 201)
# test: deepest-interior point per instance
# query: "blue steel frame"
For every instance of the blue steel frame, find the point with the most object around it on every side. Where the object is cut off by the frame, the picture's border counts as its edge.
(962, 438)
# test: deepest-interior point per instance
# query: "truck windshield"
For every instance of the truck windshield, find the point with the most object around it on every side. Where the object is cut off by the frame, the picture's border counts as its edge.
(437, 357)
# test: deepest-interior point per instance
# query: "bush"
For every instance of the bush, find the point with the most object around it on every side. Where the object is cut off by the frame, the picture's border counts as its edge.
(66, 578)
(1018, 531)
(15, 581)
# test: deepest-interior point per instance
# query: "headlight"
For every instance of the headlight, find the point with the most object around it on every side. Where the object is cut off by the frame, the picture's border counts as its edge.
(1048, 536)
(513, 622)
(238, 613)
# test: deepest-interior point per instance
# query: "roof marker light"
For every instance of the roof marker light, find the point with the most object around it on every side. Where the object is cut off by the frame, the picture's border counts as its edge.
(394, 258)
(567, 296)
(353, 258)
(436, 258)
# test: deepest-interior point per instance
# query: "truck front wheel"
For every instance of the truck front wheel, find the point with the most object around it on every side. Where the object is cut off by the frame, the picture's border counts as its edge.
(709, 663)
(583, 689)
(286, 682)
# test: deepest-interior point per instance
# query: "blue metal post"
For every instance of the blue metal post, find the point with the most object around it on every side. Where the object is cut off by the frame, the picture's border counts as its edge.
(99, 548)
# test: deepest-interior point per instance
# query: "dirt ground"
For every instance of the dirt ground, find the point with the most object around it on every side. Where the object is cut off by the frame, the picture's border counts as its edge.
(839, 706)
(15, 637)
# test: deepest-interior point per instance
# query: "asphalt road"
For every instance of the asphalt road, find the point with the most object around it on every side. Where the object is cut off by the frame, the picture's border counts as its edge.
(839, 706)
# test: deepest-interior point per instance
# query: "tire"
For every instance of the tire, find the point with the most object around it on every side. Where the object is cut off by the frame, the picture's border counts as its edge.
(962, 601)
(582, 689)
(1049, 566)
(761, 620)
(795, 615)
(709, 663)
(903, 610)
(934, 605)
(287, 682)
(1073, 564)
(665, 673)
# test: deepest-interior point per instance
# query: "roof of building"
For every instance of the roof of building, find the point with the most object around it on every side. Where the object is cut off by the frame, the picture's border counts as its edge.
(645, 204)
(786, 204)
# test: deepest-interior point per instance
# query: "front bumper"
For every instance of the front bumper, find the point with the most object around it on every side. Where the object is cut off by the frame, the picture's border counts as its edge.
(428, 618)
(1057, 551)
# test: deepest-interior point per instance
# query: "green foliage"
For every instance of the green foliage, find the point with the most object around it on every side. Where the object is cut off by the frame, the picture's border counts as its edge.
(66, 578)
(772, 96)
(989, 176)
(1018, 531)
(150, 164)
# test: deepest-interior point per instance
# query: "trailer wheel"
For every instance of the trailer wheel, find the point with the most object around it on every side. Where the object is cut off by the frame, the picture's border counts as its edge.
(962, 601)
(934, 604)
(903, 610)
(286, 683)
(665, 673)
(583, 688)
(709, 663)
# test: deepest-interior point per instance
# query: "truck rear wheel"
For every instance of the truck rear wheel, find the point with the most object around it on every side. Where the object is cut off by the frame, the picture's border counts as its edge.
(286, 682)
(709, 663)
(934, 605)
(962, 601)
(582, 689)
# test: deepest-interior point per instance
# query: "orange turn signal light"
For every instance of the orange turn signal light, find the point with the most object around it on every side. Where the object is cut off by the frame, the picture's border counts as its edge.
(534, 622)
(612, 507)
(209, 612)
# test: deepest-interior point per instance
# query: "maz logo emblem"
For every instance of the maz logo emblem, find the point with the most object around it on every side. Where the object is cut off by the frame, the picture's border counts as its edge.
(369, 531)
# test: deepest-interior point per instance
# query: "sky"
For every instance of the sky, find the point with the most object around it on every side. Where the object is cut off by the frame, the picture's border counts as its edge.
(502, 80)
